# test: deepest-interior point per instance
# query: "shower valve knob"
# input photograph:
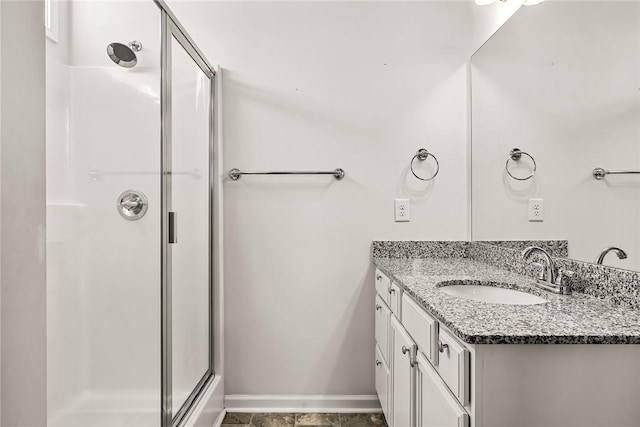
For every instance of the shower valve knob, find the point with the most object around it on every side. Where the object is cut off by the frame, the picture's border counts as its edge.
(132, 205)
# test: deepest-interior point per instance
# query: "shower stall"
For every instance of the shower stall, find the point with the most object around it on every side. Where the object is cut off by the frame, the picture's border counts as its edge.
(131, 213)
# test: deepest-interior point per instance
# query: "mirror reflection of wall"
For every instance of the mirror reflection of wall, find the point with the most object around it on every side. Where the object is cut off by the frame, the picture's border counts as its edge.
(560, 81)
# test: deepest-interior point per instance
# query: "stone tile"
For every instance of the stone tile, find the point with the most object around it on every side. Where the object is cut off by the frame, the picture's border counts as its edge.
(362, 420)
(235, 418)
(309, 420)
(418, 249)
(273, 420)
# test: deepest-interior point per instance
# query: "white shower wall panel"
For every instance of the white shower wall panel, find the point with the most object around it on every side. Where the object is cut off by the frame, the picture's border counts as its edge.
(103, 290)
(66, 249)
(117, 132)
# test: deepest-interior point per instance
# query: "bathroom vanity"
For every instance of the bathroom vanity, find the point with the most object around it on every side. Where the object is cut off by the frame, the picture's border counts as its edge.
(443, 360)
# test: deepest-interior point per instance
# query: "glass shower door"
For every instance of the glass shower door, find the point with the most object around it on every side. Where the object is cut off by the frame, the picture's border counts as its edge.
(188, 207)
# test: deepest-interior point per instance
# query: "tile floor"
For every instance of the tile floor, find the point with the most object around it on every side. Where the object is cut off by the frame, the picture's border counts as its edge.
(236, 419)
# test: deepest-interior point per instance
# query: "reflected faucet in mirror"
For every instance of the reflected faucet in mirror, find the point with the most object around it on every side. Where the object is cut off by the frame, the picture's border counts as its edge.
(551, 278)
(621, 254)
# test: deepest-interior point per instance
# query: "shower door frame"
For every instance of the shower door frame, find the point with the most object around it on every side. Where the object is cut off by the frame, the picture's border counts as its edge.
(172, 29)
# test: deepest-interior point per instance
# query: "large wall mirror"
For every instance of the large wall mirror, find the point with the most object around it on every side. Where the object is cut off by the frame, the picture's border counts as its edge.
(561, 82)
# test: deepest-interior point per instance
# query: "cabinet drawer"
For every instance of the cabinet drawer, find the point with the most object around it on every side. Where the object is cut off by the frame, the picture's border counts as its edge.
(383, 286)
(383, 316)
(422, 327)
(453, 365)
(435, 404)
(382, 382)
(394, 300)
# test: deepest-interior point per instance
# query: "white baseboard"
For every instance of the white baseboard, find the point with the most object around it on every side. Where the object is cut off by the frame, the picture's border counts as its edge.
(302, 403)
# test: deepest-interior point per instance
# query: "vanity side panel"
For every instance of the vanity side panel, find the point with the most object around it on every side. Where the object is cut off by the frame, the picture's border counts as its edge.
(557, 385)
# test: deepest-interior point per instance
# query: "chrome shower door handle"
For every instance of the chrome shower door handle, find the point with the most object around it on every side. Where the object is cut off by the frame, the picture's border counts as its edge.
(173, 231)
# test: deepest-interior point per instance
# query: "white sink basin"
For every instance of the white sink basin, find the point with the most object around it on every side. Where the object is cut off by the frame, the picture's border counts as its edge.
(492, 294)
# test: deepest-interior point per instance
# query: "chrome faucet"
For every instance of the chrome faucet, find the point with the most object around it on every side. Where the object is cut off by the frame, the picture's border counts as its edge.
(621, 254)
(549, 272)
(551, 278)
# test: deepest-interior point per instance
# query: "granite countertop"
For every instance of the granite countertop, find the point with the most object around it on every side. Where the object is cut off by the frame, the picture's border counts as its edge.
(564, 319)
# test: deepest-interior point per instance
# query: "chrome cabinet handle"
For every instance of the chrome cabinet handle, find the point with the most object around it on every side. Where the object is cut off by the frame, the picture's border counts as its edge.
(413, 361)
(442, 347)
(378, 363)
(378, 307)
(392, 291)
(378, 277)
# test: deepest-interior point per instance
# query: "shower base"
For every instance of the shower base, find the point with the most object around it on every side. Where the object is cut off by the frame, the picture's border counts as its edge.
(104, 409)
(91, 409)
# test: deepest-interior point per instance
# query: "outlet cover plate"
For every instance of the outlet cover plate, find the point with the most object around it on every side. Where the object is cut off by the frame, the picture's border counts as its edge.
(403, 210)
(536, 210)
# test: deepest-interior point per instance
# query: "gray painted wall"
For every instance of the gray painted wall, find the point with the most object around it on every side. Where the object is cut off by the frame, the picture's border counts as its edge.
(22, 218)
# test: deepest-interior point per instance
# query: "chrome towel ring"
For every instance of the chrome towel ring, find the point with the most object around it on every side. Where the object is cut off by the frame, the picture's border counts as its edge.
(515, 155)
(422, 155)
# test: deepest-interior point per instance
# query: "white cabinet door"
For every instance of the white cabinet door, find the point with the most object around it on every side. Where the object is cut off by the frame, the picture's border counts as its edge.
(382, 383)
(383, 286)
(382, 327)
(436, 406)
(453, 365)
(395, 296)
(401, 375)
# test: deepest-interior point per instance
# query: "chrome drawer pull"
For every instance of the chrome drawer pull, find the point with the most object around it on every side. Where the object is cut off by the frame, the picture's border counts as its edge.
(441, 347)
(378, 363)
(413, 361)
(392, 291)
(378, 307)
(378, 277)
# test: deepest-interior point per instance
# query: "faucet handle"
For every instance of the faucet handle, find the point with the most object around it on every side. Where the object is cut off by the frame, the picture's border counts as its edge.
(565, 277)
(543, 270)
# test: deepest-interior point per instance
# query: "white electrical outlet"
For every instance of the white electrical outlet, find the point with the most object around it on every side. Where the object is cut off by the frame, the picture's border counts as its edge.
(536, 210)
(403, 213)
